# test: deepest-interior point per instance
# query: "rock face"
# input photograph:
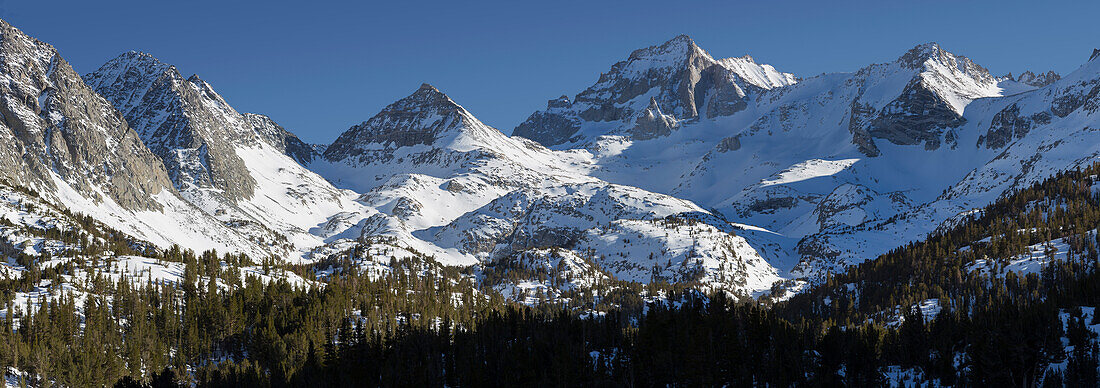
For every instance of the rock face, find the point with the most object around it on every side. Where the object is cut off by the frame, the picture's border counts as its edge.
(916, 117)
(931, 102)
(679, 79)
(278, 137)
(652, 123)
(52, 123)
(72, 146)
(183, 121)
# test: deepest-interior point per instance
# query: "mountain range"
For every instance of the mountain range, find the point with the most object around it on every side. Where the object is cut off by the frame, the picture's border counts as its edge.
(674, 166)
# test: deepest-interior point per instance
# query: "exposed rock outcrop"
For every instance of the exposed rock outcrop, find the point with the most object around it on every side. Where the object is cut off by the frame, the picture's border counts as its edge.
(183, 121)
(651, 123)
(52, 123)
(278, 137)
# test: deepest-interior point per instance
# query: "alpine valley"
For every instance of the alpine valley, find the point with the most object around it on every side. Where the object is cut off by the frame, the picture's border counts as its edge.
(677, 184)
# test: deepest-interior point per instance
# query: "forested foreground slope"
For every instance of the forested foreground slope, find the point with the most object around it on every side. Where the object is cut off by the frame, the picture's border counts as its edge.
(1005, 298)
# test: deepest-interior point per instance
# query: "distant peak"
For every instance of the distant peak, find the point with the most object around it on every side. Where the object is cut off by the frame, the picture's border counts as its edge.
(560, 102)
(136, 53)
(119, 78)
(1095, 54)
(682, 38)
(682, 42)
(427, 94)
(423, 117)
(927, 47)
(921, 53)
(425, 97)
(919, 56)
(680, 46)
(1037, 80)
(137, 57)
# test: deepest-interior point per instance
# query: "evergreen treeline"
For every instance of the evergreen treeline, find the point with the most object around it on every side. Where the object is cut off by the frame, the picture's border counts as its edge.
(423, 324)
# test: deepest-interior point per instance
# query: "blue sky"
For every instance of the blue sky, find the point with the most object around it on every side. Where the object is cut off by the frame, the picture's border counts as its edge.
(319, 67)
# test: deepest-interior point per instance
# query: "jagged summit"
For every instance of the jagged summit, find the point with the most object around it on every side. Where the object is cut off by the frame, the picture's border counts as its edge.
(924, 56)
(188, 125)
(125, 79)
(1037, 80)
(681, 47)
(1095, 54)
(137, 56)
(684, 80)
(240, 169)
(430, 96)
(920, 53)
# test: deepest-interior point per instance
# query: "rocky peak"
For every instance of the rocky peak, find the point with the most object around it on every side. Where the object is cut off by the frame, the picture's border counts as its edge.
(422, 118)
(1038, 80)
(918, 55)
(182, 120)
(686, 82)
(1095, 54)
(930, 57)
(560, 102)
(676, 51)
(939, 86)
(125, 79)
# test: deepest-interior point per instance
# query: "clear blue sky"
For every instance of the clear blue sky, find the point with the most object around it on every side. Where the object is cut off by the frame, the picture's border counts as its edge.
(319, 67)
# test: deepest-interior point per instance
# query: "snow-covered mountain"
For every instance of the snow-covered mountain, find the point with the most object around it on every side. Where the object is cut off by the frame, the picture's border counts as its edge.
(66, 142)
(674, 166)
(1016, 141)
(446, 184)
(243, 169)
(651, 93)
(830, 163)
